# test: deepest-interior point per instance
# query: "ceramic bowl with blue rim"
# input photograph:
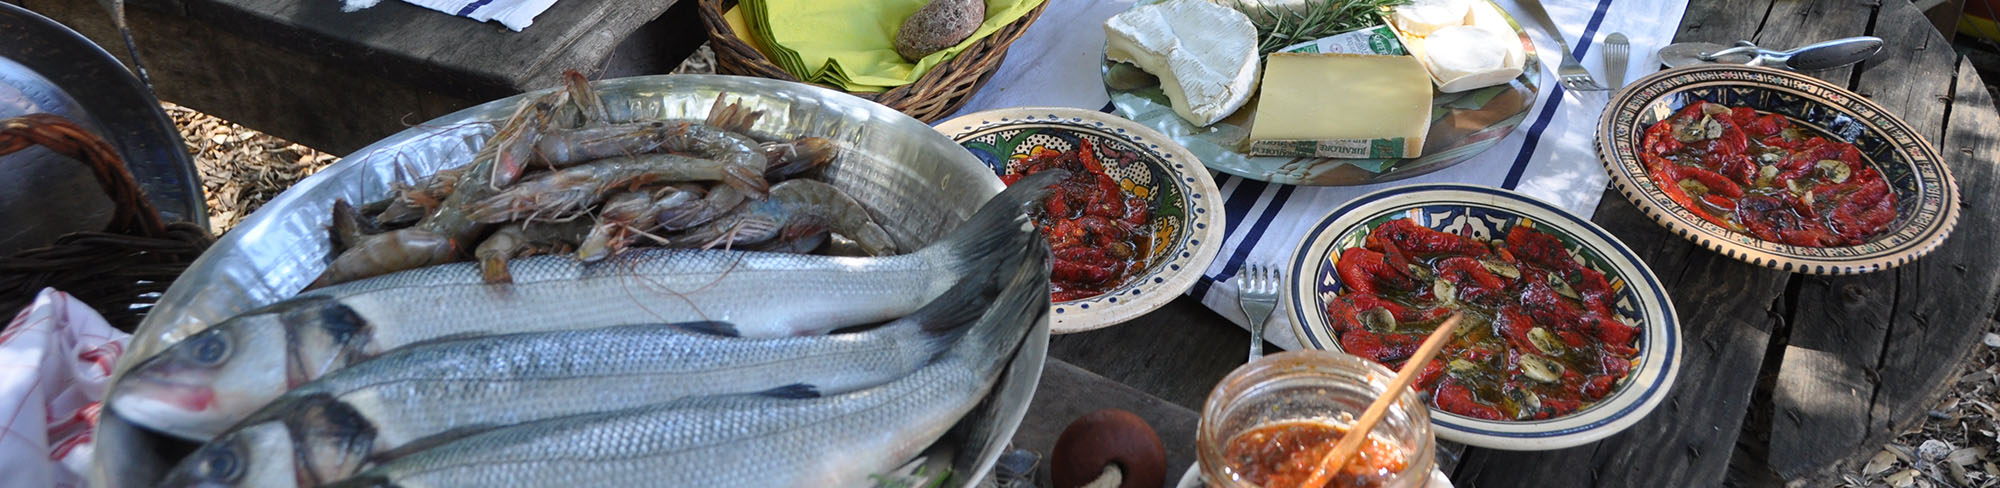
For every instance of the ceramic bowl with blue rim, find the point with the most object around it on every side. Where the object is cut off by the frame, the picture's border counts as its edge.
(1489, 213)
(1926, 196)
(1185, 225)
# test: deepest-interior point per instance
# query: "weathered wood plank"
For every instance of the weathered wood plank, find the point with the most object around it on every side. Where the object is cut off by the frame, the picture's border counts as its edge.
(1067, 392)
(451, 55)
(1826, 393)
(274, 90)
(1177, 353)
(1722, 22)
(1943, 301)
(1794, 23)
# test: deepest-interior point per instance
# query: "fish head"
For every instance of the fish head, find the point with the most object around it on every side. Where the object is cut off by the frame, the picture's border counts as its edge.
(201, 385)
(256, 455)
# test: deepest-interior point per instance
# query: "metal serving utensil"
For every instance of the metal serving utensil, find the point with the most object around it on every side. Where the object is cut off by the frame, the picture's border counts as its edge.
(1571, 74)
(1813, 57)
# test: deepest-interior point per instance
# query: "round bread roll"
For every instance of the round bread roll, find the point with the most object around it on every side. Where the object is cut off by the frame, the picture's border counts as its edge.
(939, 25)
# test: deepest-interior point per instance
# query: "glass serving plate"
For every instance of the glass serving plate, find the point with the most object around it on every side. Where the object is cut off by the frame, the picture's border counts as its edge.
(1463, 125)
(916, 182)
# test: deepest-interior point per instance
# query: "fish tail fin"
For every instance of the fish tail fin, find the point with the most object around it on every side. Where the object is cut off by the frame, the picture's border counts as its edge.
(1000, 230)
(991, 249)
(1022, 305)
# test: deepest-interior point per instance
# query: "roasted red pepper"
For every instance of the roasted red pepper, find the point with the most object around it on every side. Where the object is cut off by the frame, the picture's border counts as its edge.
(1543, 324)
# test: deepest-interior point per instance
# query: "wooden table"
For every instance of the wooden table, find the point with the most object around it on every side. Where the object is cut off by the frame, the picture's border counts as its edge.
(1787, 377)
(336, 81)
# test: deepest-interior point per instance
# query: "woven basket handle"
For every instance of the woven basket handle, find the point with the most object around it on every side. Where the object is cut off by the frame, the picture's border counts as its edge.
(134, 215)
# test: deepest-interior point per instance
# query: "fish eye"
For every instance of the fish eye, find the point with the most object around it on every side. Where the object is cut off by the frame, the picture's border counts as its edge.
(209, 349)
(220, 464)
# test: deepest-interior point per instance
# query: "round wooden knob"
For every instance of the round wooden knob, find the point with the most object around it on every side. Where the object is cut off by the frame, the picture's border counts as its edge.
(1108, 437)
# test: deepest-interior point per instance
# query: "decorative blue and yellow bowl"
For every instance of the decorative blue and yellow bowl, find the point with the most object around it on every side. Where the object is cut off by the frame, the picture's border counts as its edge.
(1489, 213)
(1926, 197)
(1186, 225)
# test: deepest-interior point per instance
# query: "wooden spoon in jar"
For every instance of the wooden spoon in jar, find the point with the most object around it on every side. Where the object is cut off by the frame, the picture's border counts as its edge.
(1411, 368)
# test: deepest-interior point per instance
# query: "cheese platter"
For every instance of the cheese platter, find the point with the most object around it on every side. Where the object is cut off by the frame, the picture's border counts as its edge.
(1402, 89)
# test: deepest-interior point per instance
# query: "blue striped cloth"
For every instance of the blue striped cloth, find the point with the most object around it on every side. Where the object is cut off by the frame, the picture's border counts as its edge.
(1550, 156)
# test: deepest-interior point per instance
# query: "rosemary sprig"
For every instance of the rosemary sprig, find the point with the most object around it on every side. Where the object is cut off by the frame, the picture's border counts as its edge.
(1279, 27)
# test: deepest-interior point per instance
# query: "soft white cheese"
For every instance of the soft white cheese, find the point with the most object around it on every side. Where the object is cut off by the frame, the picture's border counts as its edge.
(1422, 17)
(1466, 57)
(1205, 54)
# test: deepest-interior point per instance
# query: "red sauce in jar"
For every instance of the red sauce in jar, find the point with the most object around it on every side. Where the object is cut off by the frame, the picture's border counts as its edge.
(1098, 234)
(1284, 454)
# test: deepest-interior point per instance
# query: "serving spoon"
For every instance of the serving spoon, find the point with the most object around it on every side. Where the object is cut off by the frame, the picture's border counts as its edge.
(1813, 57)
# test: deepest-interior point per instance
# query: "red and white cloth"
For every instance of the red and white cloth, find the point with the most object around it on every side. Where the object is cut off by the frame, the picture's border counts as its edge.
(55, 365)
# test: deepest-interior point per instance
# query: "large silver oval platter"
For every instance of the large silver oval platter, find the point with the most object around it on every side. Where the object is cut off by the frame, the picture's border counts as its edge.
(915, 181)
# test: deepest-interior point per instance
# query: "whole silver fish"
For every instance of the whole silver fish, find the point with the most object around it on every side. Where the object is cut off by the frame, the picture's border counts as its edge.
(433, 392)
(196, 388)
(741, 440)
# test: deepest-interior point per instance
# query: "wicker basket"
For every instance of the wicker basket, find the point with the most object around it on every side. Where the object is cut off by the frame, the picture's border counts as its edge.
(121, 271)
(937, 94)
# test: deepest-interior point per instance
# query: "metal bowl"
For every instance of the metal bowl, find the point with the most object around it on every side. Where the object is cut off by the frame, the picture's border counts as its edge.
(48, 68)
(917, 183)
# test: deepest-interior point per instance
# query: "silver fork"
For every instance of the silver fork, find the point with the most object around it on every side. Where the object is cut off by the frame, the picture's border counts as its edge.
(1617, 48)
(1257, 292)
(1570, 73)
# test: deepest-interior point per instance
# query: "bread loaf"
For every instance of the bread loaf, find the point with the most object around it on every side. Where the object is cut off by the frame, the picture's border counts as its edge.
(940, 24)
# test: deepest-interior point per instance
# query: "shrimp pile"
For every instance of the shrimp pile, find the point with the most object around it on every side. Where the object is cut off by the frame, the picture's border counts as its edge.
(559, 176)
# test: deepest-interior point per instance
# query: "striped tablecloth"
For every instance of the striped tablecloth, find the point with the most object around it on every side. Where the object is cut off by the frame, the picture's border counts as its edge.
(1057, 63)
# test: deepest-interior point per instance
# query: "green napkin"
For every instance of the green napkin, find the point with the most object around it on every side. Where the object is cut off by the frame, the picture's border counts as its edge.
(850, 44)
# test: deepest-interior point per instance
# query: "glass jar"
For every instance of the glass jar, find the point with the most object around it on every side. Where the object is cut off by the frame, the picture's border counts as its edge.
(1311, 385)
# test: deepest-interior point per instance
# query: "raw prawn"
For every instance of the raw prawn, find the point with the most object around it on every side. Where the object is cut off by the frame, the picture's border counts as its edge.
(796, 209)
(441, 235)
(720, 200)
(568, 192)
(800, 155)
(622, 219)
(519, 240)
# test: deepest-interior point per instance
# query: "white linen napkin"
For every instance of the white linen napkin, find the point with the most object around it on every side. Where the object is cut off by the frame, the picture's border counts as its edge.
(55, 365)
(1550, 156)
(515, 14)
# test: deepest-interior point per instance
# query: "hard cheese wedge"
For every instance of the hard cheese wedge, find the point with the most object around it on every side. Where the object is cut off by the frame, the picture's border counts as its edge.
(1205, 54)
(1342, 106)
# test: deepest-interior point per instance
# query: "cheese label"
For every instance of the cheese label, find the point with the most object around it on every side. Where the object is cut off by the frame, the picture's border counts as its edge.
(1393, 147)
(1371, 40)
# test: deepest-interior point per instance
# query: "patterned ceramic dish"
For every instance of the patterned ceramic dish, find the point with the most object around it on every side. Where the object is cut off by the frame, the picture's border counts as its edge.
(1927, 199)
(1487, 213)
(1185, 205)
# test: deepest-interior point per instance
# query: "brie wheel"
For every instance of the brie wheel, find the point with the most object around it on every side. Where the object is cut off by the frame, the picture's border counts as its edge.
(1422, 17)
(1204, 54)
(1466, 57)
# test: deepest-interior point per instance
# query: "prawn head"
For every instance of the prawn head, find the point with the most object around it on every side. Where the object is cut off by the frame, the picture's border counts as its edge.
(386, 253)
